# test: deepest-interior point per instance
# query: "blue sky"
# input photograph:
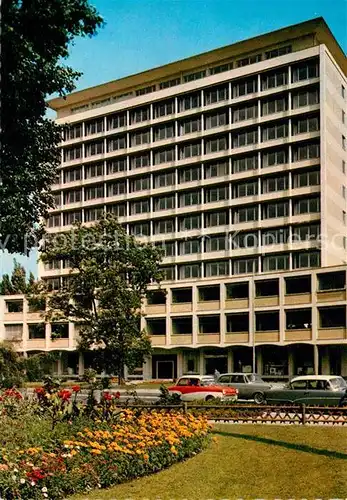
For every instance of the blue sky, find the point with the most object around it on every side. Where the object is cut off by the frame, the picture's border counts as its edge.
(141, 34)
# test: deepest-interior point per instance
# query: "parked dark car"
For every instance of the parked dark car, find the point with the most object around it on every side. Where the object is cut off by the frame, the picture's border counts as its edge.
(249, 385)
(322, 390)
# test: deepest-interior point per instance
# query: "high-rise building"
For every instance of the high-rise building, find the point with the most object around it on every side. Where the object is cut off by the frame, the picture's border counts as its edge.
(234, 161)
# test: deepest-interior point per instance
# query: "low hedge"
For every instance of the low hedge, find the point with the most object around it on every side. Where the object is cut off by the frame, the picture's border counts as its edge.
(101, 455)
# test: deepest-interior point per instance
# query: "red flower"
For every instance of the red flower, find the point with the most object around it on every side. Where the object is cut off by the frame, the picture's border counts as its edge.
(64, 394)
(117, 395)
(40, 391)
(107, 396)
(12, 393)
(35, 475)
(76, 388)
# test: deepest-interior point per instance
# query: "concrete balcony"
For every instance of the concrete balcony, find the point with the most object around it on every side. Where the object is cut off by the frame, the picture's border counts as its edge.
(236, 304)
(17, 316)
(298, 298)
(183, 307)
(331, 296)
(210, 305)
(237, 338)
(338, 333)
(158, 340)
(155, 309)
(266, 301)
(36, 345)
(208, 338)
(181, 339)
(268, 336)
(35, 316)
(297, 335)
(59, 344)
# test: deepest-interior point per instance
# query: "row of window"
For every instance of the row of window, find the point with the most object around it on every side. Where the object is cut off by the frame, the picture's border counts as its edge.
(209, 194)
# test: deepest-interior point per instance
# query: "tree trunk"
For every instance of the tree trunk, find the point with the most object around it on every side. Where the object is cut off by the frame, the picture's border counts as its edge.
(121, 380)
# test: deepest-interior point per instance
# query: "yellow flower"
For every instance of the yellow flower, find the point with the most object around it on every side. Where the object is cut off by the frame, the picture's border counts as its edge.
(95, 452)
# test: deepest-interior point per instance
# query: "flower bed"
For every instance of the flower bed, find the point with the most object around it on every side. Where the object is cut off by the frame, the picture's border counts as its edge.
(101, 455)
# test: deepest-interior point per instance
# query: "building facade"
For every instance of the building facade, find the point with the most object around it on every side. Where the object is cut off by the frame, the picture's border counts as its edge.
(234, 162)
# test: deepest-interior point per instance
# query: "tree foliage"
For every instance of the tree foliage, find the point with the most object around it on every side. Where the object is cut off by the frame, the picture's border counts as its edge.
(35, 39)
(109, 279)
(17, 283)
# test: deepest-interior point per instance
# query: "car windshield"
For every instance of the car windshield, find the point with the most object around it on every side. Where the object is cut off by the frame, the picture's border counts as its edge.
(207, 381)
(254, 378)
(338, 383)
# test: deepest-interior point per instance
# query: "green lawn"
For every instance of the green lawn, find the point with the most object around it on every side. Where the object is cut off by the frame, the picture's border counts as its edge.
(251, 461)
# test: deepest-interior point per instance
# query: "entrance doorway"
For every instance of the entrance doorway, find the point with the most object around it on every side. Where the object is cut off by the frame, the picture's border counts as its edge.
(164, 369)
(164, 366)
(219, 363)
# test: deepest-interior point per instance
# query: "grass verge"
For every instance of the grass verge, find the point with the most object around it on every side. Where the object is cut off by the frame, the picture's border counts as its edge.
(251, 461)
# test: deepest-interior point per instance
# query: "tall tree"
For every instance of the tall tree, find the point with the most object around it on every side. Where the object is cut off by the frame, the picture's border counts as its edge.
(109, 279)
(6, 285)
(35, 39)
(18, 278)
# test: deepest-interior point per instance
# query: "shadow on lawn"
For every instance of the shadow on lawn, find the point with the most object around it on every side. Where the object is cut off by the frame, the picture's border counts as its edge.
(284, 444)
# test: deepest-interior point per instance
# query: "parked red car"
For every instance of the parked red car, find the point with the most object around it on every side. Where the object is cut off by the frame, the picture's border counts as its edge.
(199, 387)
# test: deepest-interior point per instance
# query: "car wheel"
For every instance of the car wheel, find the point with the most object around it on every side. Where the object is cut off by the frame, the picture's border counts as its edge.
(259, 398)
(209, 398)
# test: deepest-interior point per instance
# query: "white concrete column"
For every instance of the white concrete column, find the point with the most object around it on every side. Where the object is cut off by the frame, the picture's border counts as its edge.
(344, 361)
(59, 366)
(325, 360)
(230, 360)
(195, 321)
(80, 364)
(147, 368)
(179, 364)
(291, 367)
(259, 361)
(201, 362)
(315, 359)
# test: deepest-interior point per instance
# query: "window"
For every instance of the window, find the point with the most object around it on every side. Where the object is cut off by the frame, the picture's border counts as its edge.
(189, 247)
(139, 138)
(279, 209)
(245, 138)
(145, 90)
(54, 220)
(306, 152)
(220, 268)
(190, 198)
(93, 192)
(307, 232)
(164, 132)
(164, 203)
(139, 207)
(163, 180)
(277, 131)
(164, 108)
(304, 71)
(118, 210)
(244, 240)
(72, 175)
(248, 60)
(52, 284)
(246, 214)
(73, 153)
(245, 163)
(57, 199)
(139, 161)
(116, 121)
(73, 131)
(307, 206)
(116, 188)
(245, 113)
(115, 166)
(272, 106)
(116, 143)
(168, 248)
(304, 125)
(139, 115)
(164, 226)
(139, 184)
(94, 170)
(94, 148)
(190, 150)
(245, 87)
(49, 266)
(190, 223)
(194, 76)
(216, 170)
(190, 126)
(221, 68)
(305, 98)
(213, 219)
(276, 262)
(71, 217)
(274, 79)
(306, 259)
(216, 243)
(92, 214)
(189, 271)
(169, 83)
(245, 266)
(215, 145)
(275, 157)
(216, 120)
(272, 184)
(216, 94)
(275, 236)
(73, 196)
(190, 174)
(168, 272)
(189, 102)
(306, 178)
(246, 189)
(216, 194)
(94, 127)
(141, 229)
(343, 142)
(280, 51)
(164, 156)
